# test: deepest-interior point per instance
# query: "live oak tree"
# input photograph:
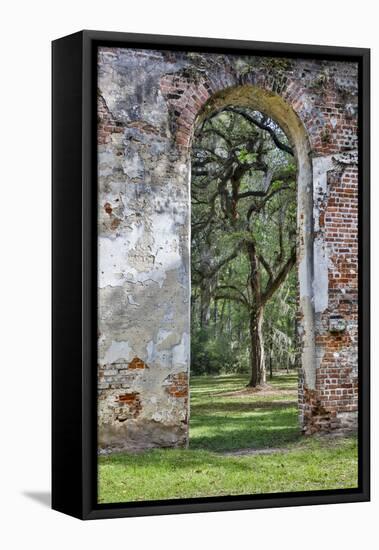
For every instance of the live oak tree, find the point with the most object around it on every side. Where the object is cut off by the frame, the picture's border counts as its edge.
(243, 221)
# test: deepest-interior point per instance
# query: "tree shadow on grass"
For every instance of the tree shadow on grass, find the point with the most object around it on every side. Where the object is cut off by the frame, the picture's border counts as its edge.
(250, 420)
(155, 460)
(244, 439)
(268, 428)
(230, 406)
(236, 388)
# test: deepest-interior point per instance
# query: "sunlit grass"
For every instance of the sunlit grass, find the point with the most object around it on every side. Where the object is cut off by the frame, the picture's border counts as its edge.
(222, 424)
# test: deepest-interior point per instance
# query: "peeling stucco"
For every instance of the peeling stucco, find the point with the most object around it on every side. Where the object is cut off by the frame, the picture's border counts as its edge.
(149, 102)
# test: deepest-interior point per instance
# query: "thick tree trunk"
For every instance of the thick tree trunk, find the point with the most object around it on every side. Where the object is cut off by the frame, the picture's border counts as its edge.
(257, 356)
(257, 359)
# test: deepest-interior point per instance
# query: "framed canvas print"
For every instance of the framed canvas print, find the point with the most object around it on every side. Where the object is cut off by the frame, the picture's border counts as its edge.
(210, 274)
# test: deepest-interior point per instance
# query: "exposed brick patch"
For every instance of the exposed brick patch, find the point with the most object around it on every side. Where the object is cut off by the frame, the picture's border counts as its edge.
(106, 124)
(316, 417)
(337, 377)
(137, 363)
(108, 208)
(144, 126)
(177, 384)
(131, 406)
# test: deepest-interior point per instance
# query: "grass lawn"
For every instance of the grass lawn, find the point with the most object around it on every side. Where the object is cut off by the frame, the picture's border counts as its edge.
(240, 443)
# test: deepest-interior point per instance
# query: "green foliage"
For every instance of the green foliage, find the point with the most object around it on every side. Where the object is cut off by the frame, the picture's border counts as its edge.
(210, 354)
(243, 191)
(245, 156)
(277, 63)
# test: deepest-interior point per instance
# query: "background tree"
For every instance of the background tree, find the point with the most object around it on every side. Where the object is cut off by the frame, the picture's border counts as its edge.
(243, 237)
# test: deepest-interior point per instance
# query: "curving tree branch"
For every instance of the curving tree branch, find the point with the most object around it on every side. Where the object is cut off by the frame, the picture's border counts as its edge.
(267, 128)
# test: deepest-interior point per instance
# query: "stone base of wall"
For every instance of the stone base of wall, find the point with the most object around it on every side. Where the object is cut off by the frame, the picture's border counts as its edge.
(133, 435)
(134, 414)
(316, 418)
(348, 421)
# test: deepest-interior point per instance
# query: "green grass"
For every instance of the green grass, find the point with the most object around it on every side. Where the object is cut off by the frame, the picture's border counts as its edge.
(224, 422)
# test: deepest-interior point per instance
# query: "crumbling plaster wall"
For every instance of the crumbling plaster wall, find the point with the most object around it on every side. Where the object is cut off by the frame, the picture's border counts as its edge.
(148, 103)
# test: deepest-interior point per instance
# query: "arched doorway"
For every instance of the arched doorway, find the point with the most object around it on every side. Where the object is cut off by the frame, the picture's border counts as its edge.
(144, 136)
(277, 109)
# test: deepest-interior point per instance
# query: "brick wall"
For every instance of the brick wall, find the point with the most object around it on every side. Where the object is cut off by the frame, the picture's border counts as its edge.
(149, 102)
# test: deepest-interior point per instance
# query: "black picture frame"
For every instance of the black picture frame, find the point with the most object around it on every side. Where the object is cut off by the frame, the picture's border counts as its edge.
(74, 271)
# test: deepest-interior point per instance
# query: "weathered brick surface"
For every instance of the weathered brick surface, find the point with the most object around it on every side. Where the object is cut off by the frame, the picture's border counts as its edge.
(177, 384)
(148, 104)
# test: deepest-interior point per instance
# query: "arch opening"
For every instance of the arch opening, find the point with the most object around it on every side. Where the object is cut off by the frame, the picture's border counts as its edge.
(250, 98)
(150, 103)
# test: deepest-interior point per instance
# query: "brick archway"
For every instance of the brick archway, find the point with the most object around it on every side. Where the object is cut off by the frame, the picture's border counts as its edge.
(148, 104)
(191, 100)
